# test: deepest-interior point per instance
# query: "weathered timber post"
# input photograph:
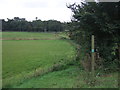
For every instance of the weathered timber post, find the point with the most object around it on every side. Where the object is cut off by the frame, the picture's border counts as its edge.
(119, 67)
(92, 55)
(119, 51)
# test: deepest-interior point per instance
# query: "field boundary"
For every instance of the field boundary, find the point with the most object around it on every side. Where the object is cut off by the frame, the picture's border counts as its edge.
(26, 39)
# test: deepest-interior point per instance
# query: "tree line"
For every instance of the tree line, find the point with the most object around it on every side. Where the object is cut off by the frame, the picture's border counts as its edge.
(21, 24)
(101, 19)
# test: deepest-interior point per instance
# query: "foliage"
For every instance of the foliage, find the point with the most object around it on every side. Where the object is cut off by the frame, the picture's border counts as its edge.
(20, 24)
(102, 20)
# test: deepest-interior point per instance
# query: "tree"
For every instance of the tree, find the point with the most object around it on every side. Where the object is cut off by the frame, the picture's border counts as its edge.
(21, 24)
(100, 19)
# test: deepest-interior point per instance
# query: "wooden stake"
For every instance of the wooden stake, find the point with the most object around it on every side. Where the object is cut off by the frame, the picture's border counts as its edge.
(119, 66)
(119, 51)
(93, 60)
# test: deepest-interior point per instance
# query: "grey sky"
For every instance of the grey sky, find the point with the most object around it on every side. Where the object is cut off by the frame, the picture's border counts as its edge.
(43, 9)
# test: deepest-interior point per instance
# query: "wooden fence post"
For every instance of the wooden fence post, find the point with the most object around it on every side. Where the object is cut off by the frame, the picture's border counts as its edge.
(93, 59)
(119, 66)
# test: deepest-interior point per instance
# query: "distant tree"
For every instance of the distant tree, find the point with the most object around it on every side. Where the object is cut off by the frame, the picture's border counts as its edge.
(21, 24)
(36, 18)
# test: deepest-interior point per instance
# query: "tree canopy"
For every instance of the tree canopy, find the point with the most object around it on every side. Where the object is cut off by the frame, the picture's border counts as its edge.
(21, 24)
(100, 19)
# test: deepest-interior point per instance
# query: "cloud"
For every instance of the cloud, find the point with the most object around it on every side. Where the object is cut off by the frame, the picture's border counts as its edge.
(35, 4)
(43, 9)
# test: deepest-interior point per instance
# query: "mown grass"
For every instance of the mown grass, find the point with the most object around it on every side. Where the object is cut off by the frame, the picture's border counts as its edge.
(24, 57)
(28, 35)
(72, 77)
(58, 79)
(46, 63)
(30, 54)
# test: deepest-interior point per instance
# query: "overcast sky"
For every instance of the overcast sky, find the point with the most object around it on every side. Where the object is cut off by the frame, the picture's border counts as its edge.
(43, 9)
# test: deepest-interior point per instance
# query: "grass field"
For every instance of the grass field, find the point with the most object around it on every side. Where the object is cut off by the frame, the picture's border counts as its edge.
(44, 60)
(72, 77)
(24, 58)
(28, 35)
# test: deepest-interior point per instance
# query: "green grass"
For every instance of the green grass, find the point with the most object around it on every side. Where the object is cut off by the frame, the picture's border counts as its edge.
(59, 79)
(25, 58)
(45, 63)
(30, 54)
(72, 77)
(28, 35)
